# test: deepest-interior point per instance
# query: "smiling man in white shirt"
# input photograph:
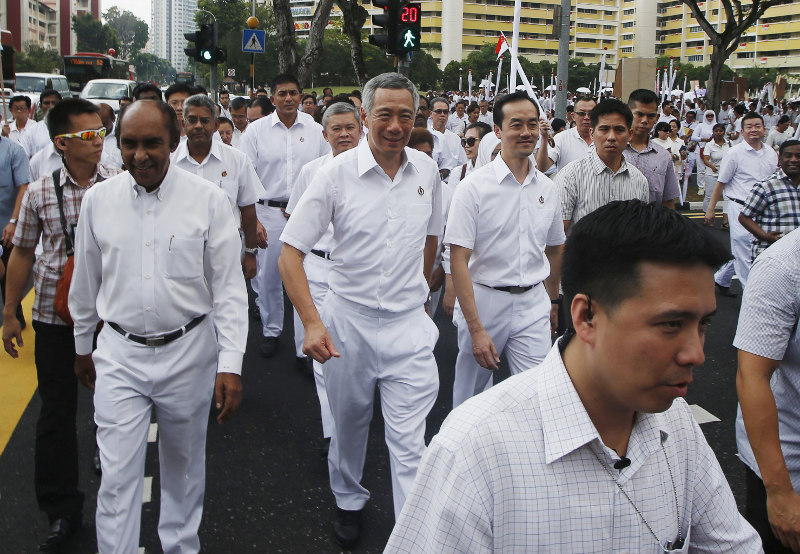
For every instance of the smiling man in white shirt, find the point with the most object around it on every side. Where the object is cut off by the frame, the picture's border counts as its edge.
(594, 450)
(384, 201)
(504, 300)
(175, 328)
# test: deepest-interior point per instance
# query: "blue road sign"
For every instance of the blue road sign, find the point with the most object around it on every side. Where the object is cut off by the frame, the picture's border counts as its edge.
(253, 41)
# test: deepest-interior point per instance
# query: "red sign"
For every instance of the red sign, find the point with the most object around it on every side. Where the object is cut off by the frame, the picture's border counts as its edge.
(410, 14)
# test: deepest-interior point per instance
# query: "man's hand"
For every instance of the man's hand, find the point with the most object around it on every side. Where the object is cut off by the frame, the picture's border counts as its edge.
(449, 299)
(249, 265)
(6, 130)
(484, 351)
(84, 370)
(261, 235)
(11, 330)
(227, 395)
(437, 278)
(772, 236)
(783, 510)
(8, 234)
(318, 344)
(709, 217)
(283, 211)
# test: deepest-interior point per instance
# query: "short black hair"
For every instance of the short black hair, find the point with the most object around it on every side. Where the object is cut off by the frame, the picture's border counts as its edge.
(58, 118)
(786, 144)
(49, 92)
(282, 79)
(420, 135)
(128, 98)
(740, 109)
(147, 87)
(198, 89)
(752, 115)
(342, 97)
(225, 120)
(263, 102)
(21, 98)
(499, 104)
(643, 96)
(557, 124)
(262, 89)
(306, 97)
(238, 103)
(609, 107)
(483, 128)
(177, 88)
(584, 98)
(355, 93)
(165, 109)
(223, 91)
(604, 249)
(720, 125)
(784, 119)
(662, 126)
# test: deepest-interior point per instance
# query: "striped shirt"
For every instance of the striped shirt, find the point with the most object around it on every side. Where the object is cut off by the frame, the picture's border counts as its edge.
(655, 163)
(774, 204)
(588, 183)
(39, 216)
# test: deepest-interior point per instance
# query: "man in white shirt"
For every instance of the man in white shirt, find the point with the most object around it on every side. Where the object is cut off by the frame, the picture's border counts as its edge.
(225, 167)
(38, 137)
(342, 129)
(457, 121)
(384, 201)
(224, 104)
(175, 327)
(447, 151)
(780, 133)
(770, 117)
(594, 450)
(279, 145)
(724, 115)
(45, 161)
(743, 166)
(571, 145)
(20, 107)
(666, 112)
(504, 302)
(239, 117)
(485, 116)
(111, 155)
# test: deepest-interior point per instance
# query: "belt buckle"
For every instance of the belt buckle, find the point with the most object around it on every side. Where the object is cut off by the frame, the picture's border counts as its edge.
(155, 341)
(516, 289)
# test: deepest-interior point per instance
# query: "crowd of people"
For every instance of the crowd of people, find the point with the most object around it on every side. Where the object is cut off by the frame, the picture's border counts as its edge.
(554, 242)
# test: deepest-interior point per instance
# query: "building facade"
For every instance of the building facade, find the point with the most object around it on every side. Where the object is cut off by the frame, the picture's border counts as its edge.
(170, 19)
(47, 23)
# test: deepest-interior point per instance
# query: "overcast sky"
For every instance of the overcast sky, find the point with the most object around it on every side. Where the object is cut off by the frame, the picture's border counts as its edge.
(140, 8)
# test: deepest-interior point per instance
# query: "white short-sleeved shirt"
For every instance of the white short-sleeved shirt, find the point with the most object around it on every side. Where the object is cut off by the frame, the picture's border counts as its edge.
(569, 146)
(35, 139)
(279, 153)
(447, 150)
(742, 167)
(229, 169)
(379, 226)
(300, 186)
(506, 224)
(457, 124)
(488, 119)
(111, 154)
(15, 133)
(44, 162)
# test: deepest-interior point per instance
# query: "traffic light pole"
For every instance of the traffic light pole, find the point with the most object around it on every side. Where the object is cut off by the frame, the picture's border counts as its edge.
(404, 63)
(213, 76)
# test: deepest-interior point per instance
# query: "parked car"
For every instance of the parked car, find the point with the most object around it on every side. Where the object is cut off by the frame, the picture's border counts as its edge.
(108, 91)
(32, 84)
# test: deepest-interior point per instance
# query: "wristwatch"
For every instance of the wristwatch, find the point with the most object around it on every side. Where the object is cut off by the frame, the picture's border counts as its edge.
(13, 220)
(252, 251)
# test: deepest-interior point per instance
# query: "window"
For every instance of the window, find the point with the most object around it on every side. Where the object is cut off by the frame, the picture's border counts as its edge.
(629, 12)
(627, 50)
(628, 24)
(745, 54)
(628, 37)
(696, 58)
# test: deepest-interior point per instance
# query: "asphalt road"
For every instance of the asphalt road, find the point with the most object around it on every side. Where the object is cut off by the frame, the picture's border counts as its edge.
(267, 483)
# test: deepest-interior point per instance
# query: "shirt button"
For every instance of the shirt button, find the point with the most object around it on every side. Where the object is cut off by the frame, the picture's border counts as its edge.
(147, 309)
(148, 212)
(389, 244)
(147, 243)
(385, 273)
(146, 276)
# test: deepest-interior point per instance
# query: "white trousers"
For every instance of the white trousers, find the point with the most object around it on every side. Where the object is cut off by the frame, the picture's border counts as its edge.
(178, 380)
(267, 284)
(517, 323)
(317, 270)
(740, 248)
(393, 351)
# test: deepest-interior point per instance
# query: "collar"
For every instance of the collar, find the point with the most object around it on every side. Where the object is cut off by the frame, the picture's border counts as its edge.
(162, 189)
(183, 152)
(600, 166)
(366, 160)
(65, 178)
(273, 119)
(751, 149)
(566, 426)
(501, 171)
(648, 148)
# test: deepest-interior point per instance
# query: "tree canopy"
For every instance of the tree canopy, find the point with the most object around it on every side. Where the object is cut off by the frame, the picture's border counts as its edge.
(131, 31)
(37, 59)
(93, 36)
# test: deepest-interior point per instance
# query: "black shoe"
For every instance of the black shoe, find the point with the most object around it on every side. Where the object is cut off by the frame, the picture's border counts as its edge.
(96, 467)
(725, 291)
(305, 365)
(325, 448)
(347, 527)
(269, 346)
(60, 531)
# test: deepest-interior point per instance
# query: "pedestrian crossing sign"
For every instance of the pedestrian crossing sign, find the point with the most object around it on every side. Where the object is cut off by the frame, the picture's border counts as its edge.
(253, 41)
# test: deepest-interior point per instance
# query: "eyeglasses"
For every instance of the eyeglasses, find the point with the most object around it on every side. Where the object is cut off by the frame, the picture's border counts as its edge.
(581, 114)
(193, 119)
(19, 109)
(86, 135)
(469, 141)
(441, 112)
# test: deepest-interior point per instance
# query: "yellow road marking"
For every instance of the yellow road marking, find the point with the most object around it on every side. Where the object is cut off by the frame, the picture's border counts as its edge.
(19, 379)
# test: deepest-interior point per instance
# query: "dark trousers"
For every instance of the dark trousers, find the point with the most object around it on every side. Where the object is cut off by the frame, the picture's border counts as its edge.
(56, 457)
(755, 512)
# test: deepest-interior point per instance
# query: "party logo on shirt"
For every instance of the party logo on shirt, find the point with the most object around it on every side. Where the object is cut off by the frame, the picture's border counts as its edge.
(541, 200)
(224, 173)
(420, 191)
(302, 139)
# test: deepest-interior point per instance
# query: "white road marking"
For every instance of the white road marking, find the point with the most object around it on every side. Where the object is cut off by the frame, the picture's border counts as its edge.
(152, 433)
(147, 490)
(702, 416)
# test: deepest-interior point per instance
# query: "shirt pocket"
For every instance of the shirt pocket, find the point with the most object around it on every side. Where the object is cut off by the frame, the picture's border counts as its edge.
(416, 231)
(185, 258)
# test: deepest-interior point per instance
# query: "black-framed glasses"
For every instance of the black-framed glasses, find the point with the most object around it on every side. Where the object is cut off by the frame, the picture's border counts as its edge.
(581, 114)
(469, 141)
(441, 111)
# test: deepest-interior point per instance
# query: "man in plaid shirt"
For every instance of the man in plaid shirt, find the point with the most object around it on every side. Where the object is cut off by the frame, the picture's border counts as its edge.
(772, 209)
(77, 132)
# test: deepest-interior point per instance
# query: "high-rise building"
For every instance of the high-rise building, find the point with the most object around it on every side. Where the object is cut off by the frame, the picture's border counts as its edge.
(170, 20)
(47, 23)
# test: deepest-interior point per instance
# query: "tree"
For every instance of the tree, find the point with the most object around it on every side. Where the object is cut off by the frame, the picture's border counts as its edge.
(287, 42)
(738, 18)
(353, 18)
(92, 35)
(131, 31)
(150, 67)
(37, 59)
(425, 73)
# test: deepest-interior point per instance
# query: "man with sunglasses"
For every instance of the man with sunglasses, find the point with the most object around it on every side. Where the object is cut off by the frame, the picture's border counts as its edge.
(77, 133)
(279, 145)
(447, 151)
(571, 145)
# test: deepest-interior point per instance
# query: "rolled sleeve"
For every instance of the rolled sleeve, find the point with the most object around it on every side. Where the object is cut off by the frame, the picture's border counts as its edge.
(567, 188)
(29, 226)
(756, 202)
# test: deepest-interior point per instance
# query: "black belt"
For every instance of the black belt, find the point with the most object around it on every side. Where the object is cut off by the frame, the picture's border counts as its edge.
(736, 200)
(322, 254)
(273, 203)
(158, 340)
(511, 288)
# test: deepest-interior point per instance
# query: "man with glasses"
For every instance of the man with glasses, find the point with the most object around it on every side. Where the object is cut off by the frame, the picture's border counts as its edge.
(39, 137)
(224, 166)
(279, 145)
(20, 106)
(485, 116)
(175, 95)
(571, 145)
(77, 133)
(447, 151)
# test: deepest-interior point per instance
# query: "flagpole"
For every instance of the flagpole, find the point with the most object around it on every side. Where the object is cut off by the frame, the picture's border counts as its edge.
(469, 86)
(515, 45)
(499, 72)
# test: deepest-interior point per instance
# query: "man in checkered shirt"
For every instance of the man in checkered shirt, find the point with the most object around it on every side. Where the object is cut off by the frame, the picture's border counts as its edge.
(772, 208)
(594, 450)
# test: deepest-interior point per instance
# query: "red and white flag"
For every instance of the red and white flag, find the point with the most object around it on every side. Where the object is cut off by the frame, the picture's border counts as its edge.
(502, 45)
